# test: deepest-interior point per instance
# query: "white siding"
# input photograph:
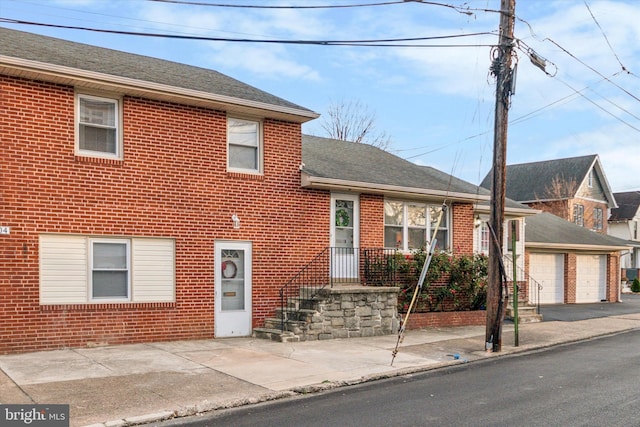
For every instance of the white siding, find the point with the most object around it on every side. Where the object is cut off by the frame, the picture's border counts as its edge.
(63, 269)
(153, 270)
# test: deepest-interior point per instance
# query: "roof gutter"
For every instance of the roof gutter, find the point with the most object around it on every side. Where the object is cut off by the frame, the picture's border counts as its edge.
(391, 190)
(91, 79)
(569, 246)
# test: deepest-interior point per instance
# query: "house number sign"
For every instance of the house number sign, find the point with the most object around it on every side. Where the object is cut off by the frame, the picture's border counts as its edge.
(5, 230)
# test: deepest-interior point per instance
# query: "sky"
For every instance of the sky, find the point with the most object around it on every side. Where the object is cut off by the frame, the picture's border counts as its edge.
(435, 101)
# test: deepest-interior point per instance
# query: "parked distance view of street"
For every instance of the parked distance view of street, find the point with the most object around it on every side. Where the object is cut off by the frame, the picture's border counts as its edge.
(592, 383)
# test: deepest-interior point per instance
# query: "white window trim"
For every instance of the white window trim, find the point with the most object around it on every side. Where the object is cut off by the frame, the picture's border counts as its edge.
(118, 126)
(126, 242)
(405, 226)
(260, 161)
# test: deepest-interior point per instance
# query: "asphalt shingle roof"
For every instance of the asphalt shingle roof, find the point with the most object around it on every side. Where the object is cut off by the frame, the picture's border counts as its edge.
(349, 161)
(549, 229)
(628, 204)
(528, 182)
(29, 46)
(364, 163)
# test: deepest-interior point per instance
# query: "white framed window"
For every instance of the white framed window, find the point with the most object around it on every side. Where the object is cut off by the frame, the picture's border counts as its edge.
(109, 264)
(98, 126)
(484, 238)
(597, 218)
(244, 141)
(412, 225)
(590, 179)
(578, 215)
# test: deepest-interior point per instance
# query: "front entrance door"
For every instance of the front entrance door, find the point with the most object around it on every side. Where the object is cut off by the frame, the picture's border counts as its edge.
(344, 236)
(232, 289)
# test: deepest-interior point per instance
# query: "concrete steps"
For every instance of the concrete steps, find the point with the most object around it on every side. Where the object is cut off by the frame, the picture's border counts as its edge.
(526, 313)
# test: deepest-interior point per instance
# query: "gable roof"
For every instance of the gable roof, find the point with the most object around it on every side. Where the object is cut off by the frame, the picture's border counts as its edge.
(341, 165)
(51, 59)
(548, 231)
(628, 206)
(529, 182)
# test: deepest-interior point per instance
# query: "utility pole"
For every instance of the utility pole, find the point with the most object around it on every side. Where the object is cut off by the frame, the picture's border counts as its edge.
(501, 69)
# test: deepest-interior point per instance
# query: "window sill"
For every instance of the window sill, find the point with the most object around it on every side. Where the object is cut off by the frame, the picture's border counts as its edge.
(100, 160)
(245, 175)
(120, 306)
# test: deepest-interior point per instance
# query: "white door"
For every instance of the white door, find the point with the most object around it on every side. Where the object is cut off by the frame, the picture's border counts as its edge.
(548, 271)
(345, 236)
(591, 278)
(232, 289)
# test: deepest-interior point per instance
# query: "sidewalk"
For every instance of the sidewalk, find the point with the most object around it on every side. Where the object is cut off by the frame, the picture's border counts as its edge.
(142, 383)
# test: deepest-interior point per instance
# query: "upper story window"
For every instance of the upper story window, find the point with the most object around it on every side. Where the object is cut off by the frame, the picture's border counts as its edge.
(98, 126)
(597, 218)
(244, 139)
(590, 179)
(411, 225)
(578, 215)
(635, 230)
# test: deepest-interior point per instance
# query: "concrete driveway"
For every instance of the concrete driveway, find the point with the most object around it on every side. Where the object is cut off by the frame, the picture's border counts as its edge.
(572, 312)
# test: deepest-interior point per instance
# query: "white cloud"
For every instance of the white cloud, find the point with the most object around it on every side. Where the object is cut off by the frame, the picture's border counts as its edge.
(266, 60)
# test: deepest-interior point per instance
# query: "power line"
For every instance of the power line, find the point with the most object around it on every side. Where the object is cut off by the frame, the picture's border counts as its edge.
(593, 69)
(255, 6)
(465, 10)
(605, 36)
(371, 42)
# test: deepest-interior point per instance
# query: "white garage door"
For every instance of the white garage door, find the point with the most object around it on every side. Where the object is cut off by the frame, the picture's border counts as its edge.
(548, 271)
(591, 278)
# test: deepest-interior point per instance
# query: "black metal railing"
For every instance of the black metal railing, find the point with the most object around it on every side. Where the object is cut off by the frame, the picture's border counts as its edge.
(337, 266)
(380, 266)
(534, 285)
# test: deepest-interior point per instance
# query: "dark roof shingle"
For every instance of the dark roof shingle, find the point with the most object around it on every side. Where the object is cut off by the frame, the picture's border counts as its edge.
(548, 229)
(363, 163)
(628, 205)
(528, 182)
(49, 50)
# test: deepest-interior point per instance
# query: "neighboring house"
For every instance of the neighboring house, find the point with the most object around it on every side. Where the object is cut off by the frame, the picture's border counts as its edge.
(566, 259)
(146, 200)
(396, 201)
(575, 189)
(571, 264)
(623, 223)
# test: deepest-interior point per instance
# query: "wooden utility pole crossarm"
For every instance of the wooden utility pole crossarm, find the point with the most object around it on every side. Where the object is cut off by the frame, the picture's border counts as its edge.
(501, 69)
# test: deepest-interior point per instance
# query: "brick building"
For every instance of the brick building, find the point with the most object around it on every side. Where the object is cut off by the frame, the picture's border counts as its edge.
(144, 200)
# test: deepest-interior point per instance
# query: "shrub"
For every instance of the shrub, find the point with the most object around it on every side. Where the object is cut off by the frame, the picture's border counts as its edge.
(451, 283)
(635, 286)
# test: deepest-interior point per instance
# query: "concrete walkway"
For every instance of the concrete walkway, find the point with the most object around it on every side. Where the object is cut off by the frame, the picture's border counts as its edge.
(142, 383)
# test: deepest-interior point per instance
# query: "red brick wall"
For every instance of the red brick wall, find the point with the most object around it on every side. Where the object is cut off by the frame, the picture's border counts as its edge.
(564, 209)
(446, 319)
(570, 278)
(171, 183)
(613, 277)
(371, 221)
(462, 224)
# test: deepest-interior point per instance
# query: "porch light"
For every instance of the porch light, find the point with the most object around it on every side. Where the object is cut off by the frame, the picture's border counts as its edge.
(477, 221)
(236, 221)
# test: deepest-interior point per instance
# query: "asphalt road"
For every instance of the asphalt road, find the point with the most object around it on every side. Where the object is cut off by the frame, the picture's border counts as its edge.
(592, 383)
(572, 312)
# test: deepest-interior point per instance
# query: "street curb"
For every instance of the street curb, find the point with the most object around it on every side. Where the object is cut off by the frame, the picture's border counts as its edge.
(206, 406)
